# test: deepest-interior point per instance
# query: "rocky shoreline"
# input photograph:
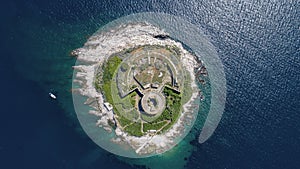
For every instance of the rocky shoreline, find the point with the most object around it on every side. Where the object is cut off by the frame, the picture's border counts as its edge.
(95, 52)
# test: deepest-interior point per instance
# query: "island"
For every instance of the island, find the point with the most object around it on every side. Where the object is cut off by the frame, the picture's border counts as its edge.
(141, 85)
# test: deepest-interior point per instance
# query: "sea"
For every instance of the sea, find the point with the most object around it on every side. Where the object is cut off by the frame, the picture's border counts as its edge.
(257, 41)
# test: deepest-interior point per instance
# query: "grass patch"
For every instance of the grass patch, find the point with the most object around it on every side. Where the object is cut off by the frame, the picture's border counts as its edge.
(133, 98)
(171, 113)
(124, 107)
(123, 121)
(134, 129)
(110, 91)
(153, 126)
(109, 70)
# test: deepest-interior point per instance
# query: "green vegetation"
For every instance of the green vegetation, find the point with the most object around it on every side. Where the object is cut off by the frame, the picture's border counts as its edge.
(110, 91)
(148, 118)
(123, 121)
(153, 126)
(171, 113)
(109, 70)
(134, 129)
(127, 115)
(109, 87)
(173, 107)
(133, 98)
(123, 106)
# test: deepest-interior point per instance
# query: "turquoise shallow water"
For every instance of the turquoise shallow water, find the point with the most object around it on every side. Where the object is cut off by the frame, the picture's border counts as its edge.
(47, 56)
(258, 43)
(103, 138)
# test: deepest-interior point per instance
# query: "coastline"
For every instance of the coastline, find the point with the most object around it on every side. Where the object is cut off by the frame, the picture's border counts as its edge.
(95, 52)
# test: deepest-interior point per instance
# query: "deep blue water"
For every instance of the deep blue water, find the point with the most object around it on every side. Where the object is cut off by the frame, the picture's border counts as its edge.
(258, 42)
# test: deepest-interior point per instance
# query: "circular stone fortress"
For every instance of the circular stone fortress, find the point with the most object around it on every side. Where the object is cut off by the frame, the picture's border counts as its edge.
(153, 103)
(145, 89)
(142, 87)
(145, 73)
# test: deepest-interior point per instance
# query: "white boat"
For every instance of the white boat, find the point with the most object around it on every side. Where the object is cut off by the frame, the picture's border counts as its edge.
(52, 95)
